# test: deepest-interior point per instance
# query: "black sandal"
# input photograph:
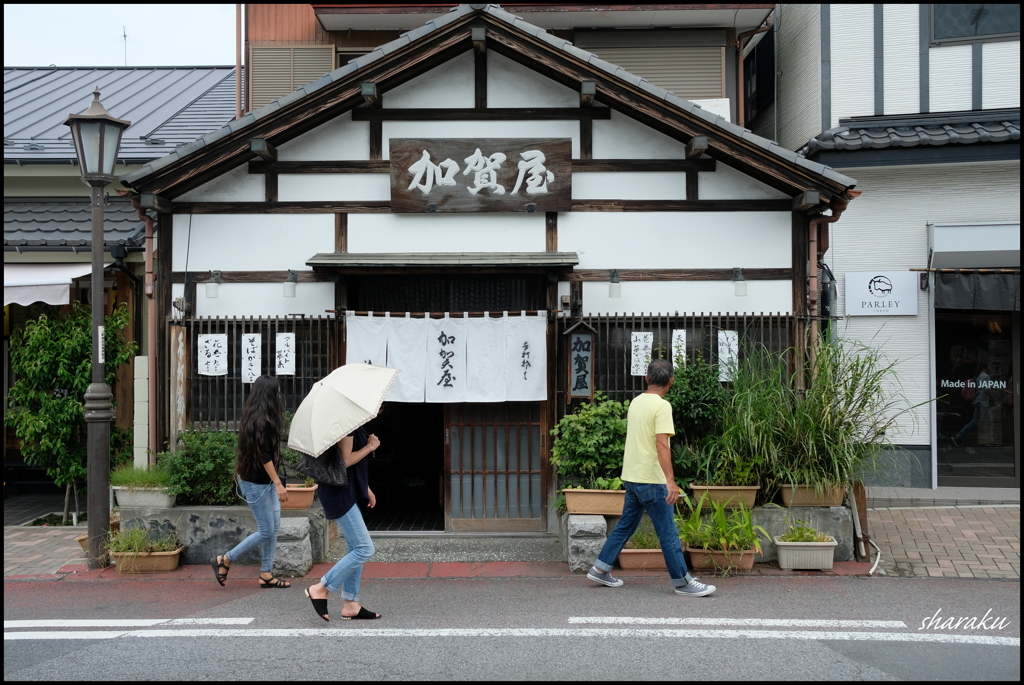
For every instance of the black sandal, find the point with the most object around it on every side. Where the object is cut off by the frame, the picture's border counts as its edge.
(217, 566)
(363, 613)
(319, 606)
(273, 582)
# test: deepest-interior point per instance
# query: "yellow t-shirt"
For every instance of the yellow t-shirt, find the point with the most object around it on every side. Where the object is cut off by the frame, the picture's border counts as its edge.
(648, 415)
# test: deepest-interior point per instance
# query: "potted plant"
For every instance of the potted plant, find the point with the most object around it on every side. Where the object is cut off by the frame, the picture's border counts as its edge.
(805, 548)
(721, 541)
(135, 551)
(115, 525)
(643, 551)
(141, 488)
(587, 453)
(300, 496)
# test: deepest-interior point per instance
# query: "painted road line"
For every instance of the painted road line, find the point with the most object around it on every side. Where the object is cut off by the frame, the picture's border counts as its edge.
(126, 622)
(523, 632)
(751, 622)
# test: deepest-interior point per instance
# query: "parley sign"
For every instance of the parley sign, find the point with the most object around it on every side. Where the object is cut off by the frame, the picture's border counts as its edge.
(881, 293)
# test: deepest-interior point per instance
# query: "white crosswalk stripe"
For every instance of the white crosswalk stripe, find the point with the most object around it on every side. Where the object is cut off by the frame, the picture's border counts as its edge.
(748, 622)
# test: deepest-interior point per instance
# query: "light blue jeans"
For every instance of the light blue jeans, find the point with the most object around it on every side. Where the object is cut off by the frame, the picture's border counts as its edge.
(347, 572)
(266, 509)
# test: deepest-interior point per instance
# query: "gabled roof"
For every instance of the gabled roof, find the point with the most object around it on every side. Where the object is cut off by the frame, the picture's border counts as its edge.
(65, 225)
(168, 106)
(441, 39)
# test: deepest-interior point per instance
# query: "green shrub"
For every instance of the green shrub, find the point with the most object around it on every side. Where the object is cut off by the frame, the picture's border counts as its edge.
(202, 471)
(138, 540)
(697, 397)
(289, 466)
(720, 531)
(589, 443)
(127, 476)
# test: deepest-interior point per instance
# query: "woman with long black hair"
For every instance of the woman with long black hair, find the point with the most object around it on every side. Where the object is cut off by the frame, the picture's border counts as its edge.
(259, 442)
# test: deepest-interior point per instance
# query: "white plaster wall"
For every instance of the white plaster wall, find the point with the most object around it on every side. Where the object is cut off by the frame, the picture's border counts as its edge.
(333, 187)
(1000, 75)
(901, 58)
(798, 103)
(446, 232)
(686, 297)
(853, 61)
(949, 78)
(629, 185)
(237, 185)
(510, 84)
(250, 242)
(726, 183)
(623, 138)
(265, 299)
(677, 240)
(482, 129)
(340, 138)
(883, 230)
(450, 85)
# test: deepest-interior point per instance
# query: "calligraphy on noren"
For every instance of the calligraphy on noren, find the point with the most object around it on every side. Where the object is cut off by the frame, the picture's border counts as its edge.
(212, 354)
(640, 352)
(284, 355)
(252, 359)
(446, 355)
(497, 175)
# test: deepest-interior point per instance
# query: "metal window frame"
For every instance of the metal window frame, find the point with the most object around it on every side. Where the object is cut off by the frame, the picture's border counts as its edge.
(966, 40)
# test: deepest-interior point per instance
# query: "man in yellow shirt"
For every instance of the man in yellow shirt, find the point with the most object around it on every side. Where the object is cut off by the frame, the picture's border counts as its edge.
(650, 485)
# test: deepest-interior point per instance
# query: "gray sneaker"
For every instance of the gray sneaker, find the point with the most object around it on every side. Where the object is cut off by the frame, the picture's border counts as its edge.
(603, 577)
(695, 589)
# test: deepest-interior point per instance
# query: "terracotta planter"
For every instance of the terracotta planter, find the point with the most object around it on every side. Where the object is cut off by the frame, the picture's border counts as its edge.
(642, 560)
(805, 496)
(83, 540)
(713, 560)
(806, 555)
(299, 497)
(733, 495)
(143, 498)
(604, 502)
(147, 562)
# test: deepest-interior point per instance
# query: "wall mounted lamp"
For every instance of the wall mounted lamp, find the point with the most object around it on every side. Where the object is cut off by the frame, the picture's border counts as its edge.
(739, 283)
(213, 285)
(614, 286)
(289, 283)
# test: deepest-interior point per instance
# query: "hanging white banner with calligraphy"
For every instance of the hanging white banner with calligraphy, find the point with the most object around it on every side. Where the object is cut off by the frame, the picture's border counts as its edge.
(212, 350)
(446, 360)
(366, 339)
(728, 354)
(284, 354)
(526, 358)
(485, 359)
(581, 363)
(407, 352)
(252, 357)
(640, 345)
(678, 347)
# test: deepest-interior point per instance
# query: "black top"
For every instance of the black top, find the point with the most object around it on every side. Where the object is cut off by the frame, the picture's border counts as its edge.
(337, 500)
(268, 451)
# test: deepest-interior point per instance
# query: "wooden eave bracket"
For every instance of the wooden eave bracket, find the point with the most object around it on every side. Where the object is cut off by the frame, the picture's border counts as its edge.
(697, 146)
(263, 149)
(368, 89)
(479, 36)
(588, 90)
(157, 203)
(808, 200)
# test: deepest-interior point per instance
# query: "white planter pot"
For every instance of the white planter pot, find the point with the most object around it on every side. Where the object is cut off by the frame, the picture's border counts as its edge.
(805, 555)
(143, 498)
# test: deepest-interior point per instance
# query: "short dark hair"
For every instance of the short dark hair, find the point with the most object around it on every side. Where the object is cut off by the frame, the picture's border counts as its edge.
(660, 372)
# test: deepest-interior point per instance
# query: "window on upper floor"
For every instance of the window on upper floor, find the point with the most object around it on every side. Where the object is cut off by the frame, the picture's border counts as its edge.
(953, 24)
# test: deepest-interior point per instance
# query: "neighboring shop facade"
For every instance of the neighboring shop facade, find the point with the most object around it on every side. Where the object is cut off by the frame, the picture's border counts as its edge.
(496, 193)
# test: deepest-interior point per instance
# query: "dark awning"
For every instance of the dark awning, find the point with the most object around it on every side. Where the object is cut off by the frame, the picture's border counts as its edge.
(973, 290)
(443, 260)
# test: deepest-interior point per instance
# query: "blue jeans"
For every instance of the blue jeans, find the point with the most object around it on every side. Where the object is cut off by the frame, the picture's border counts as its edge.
(349, 569)
(266, 509)
(649, 497)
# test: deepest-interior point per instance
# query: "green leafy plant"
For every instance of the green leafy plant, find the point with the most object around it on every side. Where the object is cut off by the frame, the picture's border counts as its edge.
(697, 397)
(608, 483)
(130, 477)
(724, 530)
(645, 537)
(289, 458)
(139, 541)
(52, 361)
(202, 471)
(308, 482)
(803, 533)
(589, 443)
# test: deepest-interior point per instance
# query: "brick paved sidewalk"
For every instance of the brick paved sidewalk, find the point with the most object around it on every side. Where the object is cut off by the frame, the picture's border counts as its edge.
(37, 550)
(948, 542)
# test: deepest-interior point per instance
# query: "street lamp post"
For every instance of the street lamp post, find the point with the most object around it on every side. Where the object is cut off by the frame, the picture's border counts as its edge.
(97, 137)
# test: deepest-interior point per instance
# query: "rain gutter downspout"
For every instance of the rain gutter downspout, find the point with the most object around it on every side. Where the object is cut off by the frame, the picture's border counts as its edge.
(150, 327)
(740, 85)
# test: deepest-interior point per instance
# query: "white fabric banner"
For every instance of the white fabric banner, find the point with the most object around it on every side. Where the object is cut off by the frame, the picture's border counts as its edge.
(407, 352)
(446, 360)
(212, 350)
(285, 354)
(728, 354)
(252, 357)
(526, 358)
(678, 346)
(485, 359)
(640, 352)
(366, 339)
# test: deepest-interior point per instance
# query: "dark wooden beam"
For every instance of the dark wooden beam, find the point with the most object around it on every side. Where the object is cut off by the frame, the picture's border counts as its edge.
(806, 201)
(251, 276)
(588, 89)
(705, 164)
(692, 185)
(376, 139)
(679, 274)
(680, 205)
(490, 114)
(156, 203)
(551, 231)
(369, 207)
(371, 95)
(341, 232)
(271, 187)
(586, 139)
(159, 370)
(697, 146)
(348, 166)
(262, 148)
(479, 68)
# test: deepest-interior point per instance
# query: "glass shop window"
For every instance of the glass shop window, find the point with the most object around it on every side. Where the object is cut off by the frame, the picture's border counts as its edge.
(971, 23)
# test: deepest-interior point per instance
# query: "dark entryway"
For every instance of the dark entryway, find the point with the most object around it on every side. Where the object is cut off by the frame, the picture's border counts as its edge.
(406, 473)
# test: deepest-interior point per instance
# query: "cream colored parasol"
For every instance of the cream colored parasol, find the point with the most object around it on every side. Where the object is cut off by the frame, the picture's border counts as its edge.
(346, 399)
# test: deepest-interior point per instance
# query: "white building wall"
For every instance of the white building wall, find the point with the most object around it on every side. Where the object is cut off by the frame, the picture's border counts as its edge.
(237, 185)
(454, 82)
(726, 183)
(887, 229)
(901, 26)
(249, 242)
(339, 138)
(688, 297)
(498, 232)
(853, 61)
(510, 84)
(1000, 75)
(798, 101)
(949, 70)
(261, 299)
(482, 129)
(629, 185)
(623, 138)
(333, 187)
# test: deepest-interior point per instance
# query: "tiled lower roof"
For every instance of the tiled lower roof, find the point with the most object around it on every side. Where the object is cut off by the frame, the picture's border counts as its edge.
(66, 226)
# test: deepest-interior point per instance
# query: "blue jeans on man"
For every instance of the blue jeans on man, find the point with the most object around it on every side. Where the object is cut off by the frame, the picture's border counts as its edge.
(649, 497)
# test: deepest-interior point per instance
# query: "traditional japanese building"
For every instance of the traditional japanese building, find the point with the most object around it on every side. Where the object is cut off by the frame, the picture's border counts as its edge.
(471, 203)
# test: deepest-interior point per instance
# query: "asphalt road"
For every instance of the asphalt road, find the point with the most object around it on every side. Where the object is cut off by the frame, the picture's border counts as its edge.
(503, 629)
